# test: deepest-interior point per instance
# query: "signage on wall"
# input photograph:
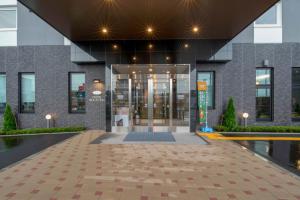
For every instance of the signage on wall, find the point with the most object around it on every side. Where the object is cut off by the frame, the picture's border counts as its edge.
(96, 97)
(202, 102)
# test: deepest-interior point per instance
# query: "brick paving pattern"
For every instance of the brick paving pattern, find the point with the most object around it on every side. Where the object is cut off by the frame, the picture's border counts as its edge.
(76, 169)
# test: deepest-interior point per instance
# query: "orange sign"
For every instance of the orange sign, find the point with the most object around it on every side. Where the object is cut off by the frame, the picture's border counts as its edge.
(202, 86)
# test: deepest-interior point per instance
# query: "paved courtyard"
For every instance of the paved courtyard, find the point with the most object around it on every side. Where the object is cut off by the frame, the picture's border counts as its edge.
(76, 169)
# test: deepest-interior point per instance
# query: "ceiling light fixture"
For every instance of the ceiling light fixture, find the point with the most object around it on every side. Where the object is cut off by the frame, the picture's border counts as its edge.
(149, 29)
(115, 46)
(186, 46)
(195, 29)
(150, 46)
(104, 30)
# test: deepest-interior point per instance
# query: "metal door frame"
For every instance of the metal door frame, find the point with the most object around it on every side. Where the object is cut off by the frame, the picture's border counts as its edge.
(171, 99)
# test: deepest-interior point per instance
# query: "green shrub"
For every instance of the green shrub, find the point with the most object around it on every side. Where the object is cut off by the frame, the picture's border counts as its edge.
(271, 129)
(229, 116)
(43, 130)
(9, 120)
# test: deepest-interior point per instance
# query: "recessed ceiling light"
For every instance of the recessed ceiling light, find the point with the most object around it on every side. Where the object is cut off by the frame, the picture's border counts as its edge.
(104, 30)
(150, 46)
(186, 46)
(115, 46)
(149, 29)
(195, 29)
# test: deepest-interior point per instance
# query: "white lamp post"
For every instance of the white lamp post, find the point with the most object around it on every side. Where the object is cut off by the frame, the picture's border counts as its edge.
(48, 118)
(245, 116)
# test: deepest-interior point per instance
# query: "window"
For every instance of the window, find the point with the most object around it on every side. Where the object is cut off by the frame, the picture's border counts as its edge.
(27, 92)
(296, 94)
(2, 92)
(209, 77)
(77, 92)
(271, 17)
(8, 18)
(264, 94)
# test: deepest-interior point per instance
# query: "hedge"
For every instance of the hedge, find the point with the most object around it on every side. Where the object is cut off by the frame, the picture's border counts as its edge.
(271, 129)
(42, 130)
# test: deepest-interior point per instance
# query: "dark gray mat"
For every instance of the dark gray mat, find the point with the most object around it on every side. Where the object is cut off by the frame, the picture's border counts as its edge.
(149, 137)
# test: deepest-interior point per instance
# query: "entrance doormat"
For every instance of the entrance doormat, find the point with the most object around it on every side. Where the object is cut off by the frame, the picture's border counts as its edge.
(149, 137)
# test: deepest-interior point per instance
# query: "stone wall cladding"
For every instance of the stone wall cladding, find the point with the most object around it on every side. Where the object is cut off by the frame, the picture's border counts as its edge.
(51, 65)
(237, 79)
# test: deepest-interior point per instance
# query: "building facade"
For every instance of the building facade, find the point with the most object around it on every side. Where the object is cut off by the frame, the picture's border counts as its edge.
(124, 85)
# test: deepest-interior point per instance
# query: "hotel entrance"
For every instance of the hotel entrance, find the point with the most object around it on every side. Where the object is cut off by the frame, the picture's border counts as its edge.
(150, 98)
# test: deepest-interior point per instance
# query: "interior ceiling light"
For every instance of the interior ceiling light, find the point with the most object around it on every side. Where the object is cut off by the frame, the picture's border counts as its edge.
(150, 46)
(115, 46)
(149, 29)
(167, 58)
(195, 29)
(104, 30)
(186, 46)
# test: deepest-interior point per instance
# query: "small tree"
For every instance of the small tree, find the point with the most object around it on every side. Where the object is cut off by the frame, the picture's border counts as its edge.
(229, 116)
(9, 120)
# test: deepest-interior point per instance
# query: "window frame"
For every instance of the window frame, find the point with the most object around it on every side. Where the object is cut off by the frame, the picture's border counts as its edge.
(213, 107)
(10, 8)
(69, 92)
(278, 18)
(20, 93)
(294, 119)
(271, 86)
(4, 73)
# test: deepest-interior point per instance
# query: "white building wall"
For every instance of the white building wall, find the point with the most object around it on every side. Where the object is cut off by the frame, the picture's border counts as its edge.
(269, 33)
(8, 37)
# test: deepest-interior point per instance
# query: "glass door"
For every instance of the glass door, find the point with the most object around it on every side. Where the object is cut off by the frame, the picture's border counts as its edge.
(161, 100)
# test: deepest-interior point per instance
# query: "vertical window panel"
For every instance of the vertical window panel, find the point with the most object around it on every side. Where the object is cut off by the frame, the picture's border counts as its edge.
(2, 92)
(77, 93)
(8, 18)
(264, 94)
(296, 94)
(27, 94)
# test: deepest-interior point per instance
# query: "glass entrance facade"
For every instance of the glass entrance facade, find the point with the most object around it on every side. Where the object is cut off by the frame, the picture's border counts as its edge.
(150, 98)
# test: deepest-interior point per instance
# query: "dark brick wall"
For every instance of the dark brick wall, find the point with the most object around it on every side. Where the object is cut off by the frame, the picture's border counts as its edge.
(51, 65)
(237, 79)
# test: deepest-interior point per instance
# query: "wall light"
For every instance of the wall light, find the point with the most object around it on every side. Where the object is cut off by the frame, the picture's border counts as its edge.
(96, 81)
(48, 118)
(245, 116)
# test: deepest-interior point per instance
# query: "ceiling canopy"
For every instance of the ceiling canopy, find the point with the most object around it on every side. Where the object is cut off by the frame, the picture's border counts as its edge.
(84, 20)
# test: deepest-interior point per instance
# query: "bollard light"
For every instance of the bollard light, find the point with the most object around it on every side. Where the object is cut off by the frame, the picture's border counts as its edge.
(245, 116)
(48, 118)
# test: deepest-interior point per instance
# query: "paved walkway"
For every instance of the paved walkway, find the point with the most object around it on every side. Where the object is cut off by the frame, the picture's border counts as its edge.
(76, 169)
